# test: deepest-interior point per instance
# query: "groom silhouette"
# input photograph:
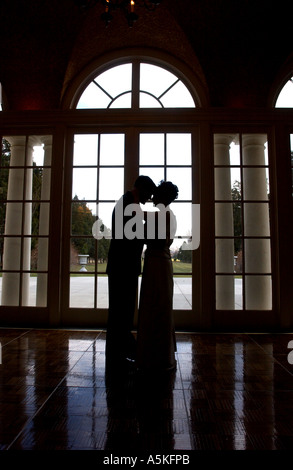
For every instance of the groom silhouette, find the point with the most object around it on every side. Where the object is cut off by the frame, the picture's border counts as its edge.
(123, 269)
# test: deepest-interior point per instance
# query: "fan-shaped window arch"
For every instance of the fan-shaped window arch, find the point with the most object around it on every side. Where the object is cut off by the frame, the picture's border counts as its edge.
(136, 85)
(285, 97)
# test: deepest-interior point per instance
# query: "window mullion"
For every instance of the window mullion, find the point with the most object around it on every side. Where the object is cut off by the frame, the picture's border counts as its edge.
(135, 84)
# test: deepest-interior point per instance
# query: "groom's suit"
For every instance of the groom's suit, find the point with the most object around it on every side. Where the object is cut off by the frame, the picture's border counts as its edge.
(123, 269)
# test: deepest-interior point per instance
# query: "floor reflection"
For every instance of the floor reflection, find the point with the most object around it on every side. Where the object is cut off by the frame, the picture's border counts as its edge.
(229, 391)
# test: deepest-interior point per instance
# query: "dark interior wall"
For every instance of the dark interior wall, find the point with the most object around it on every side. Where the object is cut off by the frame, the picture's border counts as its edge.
(236, 48)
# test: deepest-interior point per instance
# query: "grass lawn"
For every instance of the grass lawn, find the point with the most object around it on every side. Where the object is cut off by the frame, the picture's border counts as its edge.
(178, 267)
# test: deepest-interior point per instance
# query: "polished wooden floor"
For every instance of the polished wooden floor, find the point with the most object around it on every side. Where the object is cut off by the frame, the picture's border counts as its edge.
(229, 391)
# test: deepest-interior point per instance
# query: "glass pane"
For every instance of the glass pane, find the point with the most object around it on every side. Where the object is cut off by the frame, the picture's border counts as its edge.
(285, 98)
(84, 183)
(123, 101)
(257, 256)
(238, 289)
(234, 153)
(157, 174)
(291, 158)
(93, 97)
(26, 253)
(85, 149)
(102, 292)
(16, 178)
(5, 153)
(148, 101)
(182, 178)
(256, 219)
(151, 149)
(111, 183)
(44, 219)
(236, 183)
(82, 219)
(258, 292)
(228, 220)
(149, 207)
(178, 149)
(30, 219)
(183, 214)
(3, 182)
(30, 248)
(38, 155)
(223, 184)
(103, 249)
(112, 149)
(255, 183)
(32, 222)
(82, 291)
(9, 289)
(178, 97)
(238, 263)
(13, 223)
(82, 255)
(13, 246)
(155, 79)
(228, 293)
(182, 296)
(32, 300)
(182, 258)
(41, 289)
(39, 255)
(226, 149)
(254, 149)
(225, 262)
(116, 80)
(41, 183)
(2, 218)
(104, 212)
(1, 253)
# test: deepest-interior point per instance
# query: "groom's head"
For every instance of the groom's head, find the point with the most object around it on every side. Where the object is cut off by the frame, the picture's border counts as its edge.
(145, 188)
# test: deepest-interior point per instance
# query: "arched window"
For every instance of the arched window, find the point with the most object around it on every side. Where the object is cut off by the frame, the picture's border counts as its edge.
(285, 98)
(133, 85)
(106, 161)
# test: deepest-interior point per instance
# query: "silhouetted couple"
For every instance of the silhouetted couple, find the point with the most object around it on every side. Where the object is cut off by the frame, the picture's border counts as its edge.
(155, 346)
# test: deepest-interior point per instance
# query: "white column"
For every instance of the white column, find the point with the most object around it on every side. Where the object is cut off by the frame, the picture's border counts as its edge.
(256, 223)
(44, 225)
(17, 222)
(224, 223)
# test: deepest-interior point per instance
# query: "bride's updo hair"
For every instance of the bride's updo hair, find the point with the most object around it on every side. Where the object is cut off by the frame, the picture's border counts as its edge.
(166, 192)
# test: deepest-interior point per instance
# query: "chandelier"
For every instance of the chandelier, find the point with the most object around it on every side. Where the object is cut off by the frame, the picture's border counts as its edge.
(128, 8)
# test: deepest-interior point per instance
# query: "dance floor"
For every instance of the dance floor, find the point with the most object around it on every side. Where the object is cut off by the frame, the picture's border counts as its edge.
(229, 392)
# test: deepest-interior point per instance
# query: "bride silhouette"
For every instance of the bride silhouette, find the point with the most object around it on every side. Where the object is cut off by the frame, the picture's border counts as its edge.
(156, 343)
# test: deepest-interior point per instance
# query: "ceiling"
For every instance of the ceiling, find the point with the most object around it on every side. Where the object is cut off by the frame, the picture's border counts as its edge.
(238, 48)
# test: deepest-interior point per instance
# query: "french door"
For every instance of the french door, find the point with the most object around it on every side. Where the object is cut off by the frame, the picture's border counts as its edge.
(100, 167)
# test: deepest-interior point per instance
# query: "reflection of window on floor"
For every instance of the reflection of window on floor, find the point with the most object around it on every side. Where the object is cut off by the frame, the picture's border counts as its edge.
(242, 222)
(25, 173)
